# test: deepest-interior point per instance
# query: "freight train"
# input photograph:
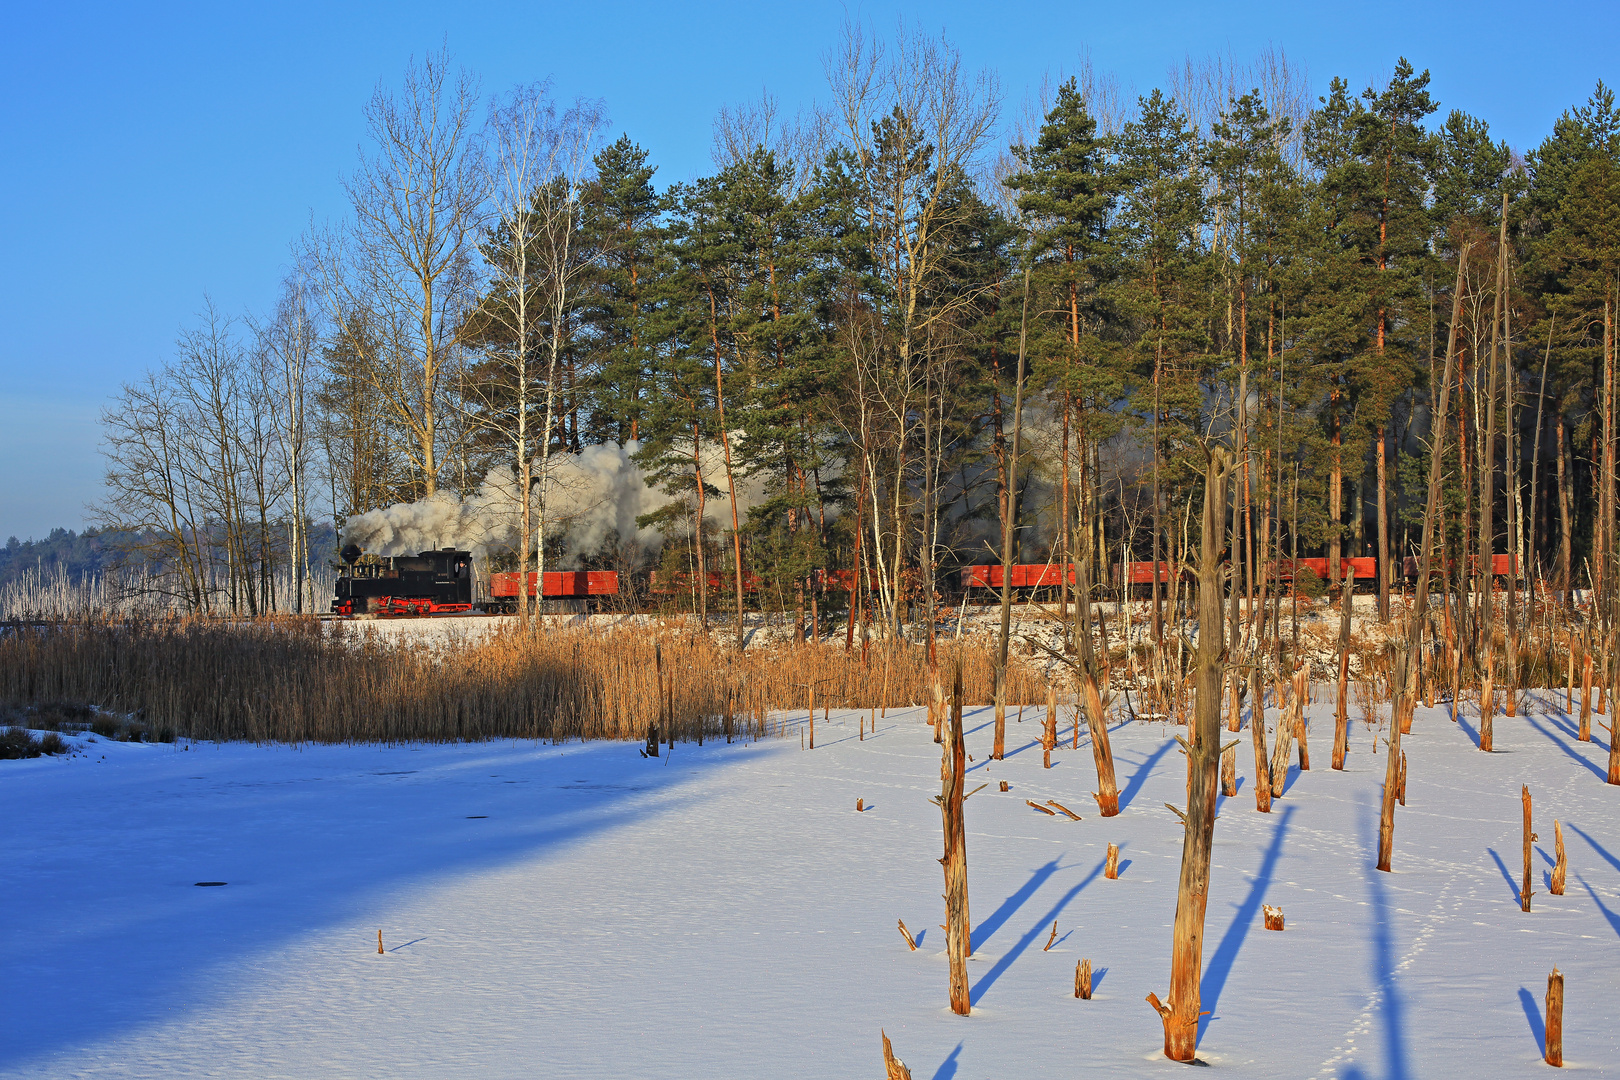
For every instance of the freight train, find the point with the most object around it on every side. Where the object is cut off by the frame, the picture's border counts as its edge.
(442, 583)
(1137, 577)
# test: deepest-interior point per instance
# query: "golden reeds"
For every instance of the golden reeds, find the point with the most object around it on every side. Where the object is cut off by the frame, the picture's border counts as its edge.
(298, 680)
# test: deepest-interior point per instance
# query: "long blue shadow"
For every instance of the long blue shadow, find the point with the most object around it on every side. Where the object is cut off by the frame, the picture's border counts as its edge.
(1613, 917)
(1383, 957)
(947, 1068)
(985, 930)
(1597, 847)
(1565, 747)
(1472, 731)
(1532, 1014)
(306, 838)
(1139, 777)
(1042, 925)
(1221, 961)
(1507, 875)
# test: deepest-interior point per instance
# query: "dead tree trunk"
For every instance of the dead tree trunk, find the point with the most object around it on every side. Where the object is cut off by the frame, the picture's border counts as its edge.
(1585, 733)
(1300, 678)
(1008, 532)
(1107, 793)
(1262, 768)
(1529, 838)
(1560, 867)
(955, 858)
(1555, 1018)
(1180, 1013)
(893, 1067)
(1406, 704)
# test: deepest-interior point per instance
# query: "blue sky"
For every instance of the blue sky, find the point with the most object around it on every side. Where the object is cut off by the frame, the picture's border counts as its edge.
(155, 154)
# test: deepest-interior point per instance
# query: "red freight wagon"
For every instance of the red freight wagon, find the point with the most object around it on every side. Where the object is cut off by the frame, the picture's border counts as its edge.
(1141, 573)
(559, 583)
(1363, 569)
(1501, 566)
(1024, 576)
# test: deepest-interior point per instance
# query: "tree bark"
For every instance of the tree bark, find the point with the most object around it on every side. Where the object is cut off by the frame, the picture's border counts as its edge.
(1406, 703)
(1529, 838)
(1555, 1018)
(955, 858)
(1180, 1014)
(1008, 527)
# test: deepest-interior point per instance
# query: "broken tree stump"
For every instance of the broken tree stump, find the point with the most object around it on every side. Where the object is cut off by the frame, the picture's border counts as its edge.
(907, 935)
(893, 1067)
(1004, 785)
(1300, 697)
(1585, 733)
(860, 806)
(1560, 867)
(379, 943)
(1279, 754)
(1051, 938)
(1229, 771)
(1111, 867)
(1555, 1018)
(1082, 980)
(1274, 917)
(1487, 706)
(1529, 838)
(1262, 769)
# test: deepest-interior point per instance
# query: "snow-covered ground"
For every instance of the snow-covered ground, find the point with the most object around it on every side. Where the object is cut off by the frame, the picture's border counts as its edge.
(580, 911)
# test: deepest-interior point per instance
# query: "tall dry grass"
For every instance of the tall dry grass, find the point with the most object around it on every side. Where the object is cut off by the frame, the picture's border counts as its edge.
(299, 680)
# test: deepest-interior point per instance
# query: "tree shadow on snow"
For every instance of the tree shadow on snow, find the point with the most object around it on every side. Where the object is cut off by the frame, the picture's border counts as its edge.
(985, 930)
(1597, 847)
(947, 1068)
(308, 839)
(1613, 917)
(1391, 1005)
(1042, 926)
(1507, 875)
(1532, 1013)
(1565, 747)
(1139, 777)
(1226, 953)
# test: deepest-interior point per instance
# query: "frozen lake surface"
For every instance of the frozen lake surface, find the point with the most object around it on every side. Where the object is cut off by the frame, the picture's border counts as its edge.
(723, 912)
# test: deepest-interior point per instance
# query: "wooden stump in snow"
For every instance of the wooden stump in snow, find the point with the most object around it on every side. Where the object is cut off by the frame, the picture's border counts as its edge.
(894, 1068)
(1229, 771)
(1487, 706)
(1529, 838)
(1004, 785)
(379, 943)
(1279, 753)
(1111, 867)
(1273, 915)
(1053, 937)
(1560, 867)
(1555, 1018)
(860, 806)
(1300, 692)
(1585, 733)
(907, 935)
(1082, 980)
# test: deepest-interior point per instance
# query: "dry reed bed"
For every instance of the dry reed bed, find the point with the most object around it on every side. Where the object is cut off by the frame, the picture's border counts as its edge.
(292, 680)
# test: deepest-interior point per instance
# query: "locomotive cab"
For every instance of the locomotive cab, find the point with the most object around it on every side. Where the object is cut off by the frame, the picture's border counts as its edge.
(427, 583)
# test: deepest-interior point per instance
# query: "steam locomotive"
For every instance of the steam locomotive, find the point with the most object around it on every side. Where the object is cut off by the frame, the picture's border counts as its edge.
(443, 582)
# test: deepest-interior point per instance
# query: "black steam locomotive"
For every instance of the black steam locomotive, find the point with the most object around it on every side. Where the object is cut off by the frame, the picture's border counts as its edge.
(429, 583)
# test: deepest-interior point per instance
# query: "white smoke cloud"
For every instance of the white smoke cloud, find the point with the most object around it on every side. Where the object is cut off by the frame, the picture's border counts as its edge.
(590, 497)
